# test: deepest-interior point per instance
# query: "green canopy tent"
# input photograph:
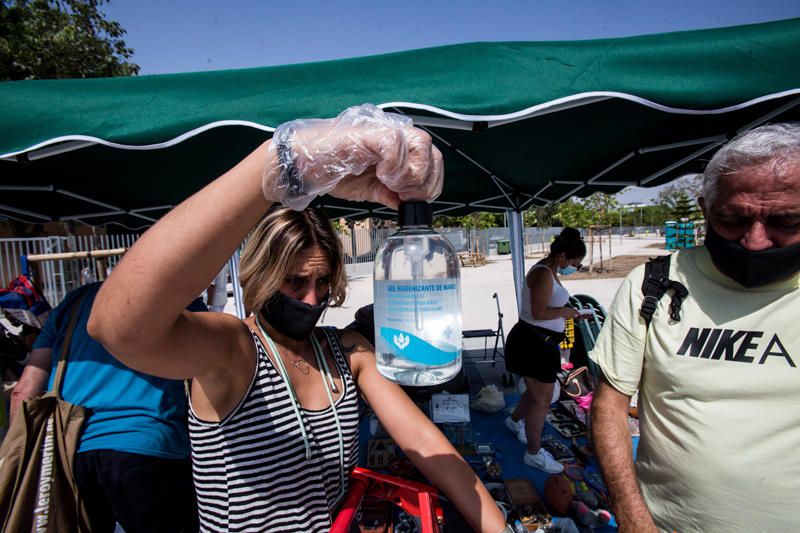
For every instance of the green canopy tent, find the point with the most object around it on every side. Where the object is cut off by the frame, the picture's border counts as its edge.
(519, 123)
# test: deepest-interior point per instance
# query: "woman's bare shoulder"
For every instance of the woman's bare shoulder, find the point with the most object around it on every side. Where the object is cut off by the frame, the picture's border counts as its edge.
(353, 341)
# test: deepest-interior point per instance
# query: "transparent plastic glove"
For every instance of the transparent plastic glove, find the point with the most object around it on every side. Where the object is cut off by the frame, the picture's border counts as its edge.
(363, 154)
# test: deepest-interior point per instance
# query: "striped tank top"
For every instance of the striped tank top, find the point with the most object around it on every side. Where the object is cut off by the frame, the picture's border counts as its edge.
(250, 469)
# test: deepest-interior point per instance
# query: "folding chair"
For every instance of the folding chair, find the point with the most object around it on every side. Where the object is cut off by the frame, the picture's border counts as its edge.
(498, 334)
(589, 329)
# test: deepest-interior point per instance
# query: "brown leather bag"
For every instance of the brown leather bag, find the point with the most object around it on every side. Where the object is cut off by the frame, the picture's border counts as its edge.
(577, 383)
(37, 485)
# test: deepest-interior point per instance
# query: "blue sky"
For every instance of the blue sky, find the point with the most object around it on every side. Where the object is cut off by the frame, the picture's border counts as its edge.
(183, 35)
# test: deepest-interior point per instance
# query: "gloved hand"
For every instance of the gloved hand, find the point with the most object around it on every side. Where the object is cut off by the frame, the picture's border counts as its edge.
(363, 154)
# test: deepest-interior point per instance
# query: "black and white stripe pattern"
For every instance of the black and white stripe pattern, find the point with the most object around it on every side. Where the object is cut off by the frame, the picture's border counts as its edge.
(250, 470)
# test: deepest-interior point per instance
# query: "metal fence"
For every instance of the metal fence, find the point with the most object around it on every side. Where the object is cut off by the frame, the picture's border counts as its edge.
(359, 244)
(57, 277)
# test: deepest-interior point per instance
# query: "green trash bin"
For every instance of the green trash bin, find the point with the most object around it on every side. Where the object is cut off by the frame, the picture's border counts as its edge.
(503, 247)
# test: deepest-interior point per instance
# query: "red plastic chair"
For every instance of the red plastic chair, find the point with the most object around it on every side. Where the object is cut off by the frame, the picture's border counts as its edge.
(414, 498)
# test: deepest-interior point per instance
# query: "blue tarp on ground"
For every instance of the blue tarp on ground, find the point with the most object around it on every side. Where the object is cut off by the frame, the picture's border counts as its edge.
(491, 428)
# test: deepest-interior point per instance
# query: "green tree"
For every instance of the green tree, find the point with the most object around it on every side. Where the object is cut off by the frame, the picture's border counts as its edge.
(442, 221)
(479, 220)
(545, 215)
(529, 218)
(686, 191)
(573, 213)
(604, 208)
(683, 207)
(51, 39)
(656, 215)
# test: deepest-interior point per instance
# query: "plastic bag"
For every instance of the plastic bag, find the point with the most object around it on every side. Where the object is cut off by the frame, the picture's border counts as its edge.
(24, 302)
(489, 400)
(381, 153)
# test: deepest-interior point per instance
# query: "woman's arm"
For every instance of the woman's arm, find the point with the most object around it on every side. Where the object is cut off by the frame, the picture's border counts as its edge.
(422, 441)
(540, 281)
(138, 314)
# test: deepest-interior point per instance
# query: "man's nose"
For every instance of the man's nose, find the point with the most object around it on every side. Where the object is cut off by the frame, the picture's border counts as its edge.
(309, 296)
(756, 238)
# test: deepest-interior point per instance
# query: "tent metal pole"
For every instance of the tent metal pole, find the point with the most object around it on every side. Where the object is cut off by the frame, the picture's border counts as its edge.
(769, 116)
(499, 183)
(154, 208)
(94, 215)
(524, 205)
(516, 230)
(570, 193)
(54, 149)
(87, 199)
(446, 209)
(681, 161)
(596, 183)
(31, 188)
(238, 298)
(489, 206)
(683, 144)
(25, 212)
(143, 217)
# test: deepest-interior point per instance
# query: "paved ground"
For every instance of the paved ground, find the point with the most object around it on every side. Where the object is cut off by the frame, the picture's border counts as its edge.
(480, 283)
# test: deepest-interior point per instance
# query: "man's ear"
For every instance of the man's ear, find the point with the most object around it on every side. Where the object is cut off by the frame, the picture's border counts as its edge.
(702, 202)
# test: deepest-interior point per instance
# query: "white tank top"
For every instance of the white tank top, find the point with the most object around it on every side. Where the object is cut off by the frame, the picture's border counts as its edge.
(558, 298)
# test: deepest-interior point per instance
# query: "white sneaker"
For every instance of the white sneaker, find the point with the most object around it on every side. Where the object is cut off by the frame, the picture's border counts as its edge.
(518, 429)
(543, 461)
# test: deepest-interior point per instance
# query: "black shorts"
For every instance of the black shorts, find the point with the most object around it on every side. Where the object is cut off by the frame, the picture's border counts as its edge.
(533, 352)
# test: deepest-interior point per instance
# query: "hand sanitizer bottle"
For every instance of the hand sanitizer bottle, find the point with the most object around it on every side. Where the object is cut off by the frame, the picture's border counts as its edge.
(417, 302)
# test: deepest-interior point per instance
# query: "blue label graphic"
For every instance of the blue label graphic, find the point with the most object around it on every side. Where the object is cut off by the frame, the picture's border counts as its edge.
(415, 349)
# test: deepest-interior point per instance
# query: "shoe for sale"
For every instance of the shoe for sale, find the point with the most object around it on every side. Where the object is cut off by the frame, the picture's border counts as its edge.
(518, 429)
(543, 461)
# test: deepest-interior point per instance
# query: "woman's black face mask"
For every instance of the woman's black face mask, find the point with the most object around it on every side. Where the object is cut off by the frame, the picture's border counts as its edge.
(752, 269)
(291, 317)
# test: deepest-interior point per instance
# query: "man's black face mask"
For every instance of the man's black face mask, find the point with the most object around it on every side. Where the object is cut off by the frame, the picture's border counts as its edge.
(292, 317)
(752, 269)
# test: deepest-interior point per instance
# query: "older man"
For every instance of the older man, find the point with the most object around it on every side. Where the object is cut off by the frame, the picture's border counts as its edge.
(720, 388)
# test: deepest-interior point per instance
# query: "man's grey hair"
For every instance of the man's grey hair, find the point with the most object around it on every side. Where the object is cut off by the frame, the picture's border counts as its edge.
(753, 147)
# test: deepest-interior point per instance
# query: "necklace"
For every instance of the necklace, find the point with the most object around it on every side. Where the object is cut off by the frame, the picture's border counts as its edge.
(300, 364)
(324, 371)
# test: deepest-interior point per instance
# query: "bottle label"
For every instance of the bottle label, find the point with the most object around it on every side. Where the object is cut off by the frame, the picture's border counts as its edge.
(419, 321)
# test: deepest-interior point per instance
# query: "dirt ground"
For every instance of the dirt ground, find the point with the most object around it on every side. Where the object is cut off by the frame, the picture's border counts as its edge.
(618, 267)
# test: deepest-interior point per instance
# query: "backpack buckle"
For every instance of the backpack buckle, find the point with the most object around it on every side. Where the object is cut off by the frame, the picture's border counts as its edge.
(649, 305)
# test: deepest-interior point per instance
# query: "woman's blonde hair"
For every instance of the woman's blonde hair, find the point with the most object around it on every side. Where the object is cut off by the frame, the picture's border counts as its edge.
(274, 245)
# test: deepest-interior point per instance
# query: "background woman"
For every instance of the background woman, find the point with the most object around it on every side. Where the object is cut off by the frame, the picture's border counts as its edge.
(532, 347)
(274, 426)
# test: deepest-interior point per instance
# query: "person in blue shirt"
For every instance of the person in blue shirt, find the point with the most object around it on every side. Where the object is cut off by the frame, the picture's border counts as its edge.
(132, 465)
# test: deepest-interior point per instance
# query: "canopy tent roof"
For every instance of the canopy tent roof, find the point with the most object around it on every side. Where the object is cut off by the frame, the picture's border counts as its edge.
(519, 123)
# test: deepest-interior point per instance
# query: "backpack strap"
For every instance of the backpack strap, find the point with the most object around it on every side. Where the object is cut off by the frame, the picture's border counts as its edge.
(66, 344)
(655, 284)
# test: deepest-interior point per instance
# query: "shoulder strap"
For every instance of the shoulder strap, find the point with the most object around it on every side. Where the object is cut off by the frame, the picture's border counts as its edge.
(655, 284)
(66, 343)
(331, 334)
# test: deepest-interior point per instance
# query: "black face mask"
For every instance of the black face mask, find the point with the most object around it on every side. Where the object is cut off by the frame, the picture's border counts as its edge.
(292, 317)
(752, 269)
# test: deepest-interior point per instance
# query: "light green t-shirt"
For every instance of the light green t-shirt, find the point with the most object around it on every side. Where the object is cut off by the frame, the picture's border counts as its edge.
(719, 400)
